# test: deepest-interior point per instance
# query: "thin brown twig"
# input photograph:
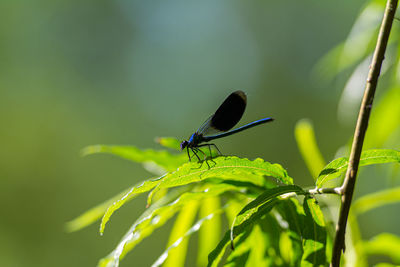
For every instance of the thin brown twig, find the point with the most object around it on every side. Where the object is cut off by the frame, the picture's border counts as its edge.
(361, 128)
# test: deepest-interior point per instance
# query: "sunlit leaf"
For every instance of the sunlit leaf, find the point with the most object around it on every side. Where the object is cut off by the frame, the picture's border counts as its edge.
(327, 66)
(257, 246)
(198, 225)
(384, 244)
(215, 256)
(385, 264)
(169, 142)
(305, 137)
(385, 119)
(374, 156)
(233, 209)
(163, 159)
(377, 199)
(229, 168)
(129, 195)
(355, 255)
(314, 235)
(93, 214)
(269, 194)
(291, 218)
(286, 247)
(353, 92)
(156, 216)
(177, 256)
(248, 216)
(210, 232)
(358, 44)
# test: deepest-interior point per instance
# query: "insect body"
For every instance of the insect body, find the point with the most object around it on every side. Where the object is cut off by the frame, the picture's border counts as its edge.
(220, 124)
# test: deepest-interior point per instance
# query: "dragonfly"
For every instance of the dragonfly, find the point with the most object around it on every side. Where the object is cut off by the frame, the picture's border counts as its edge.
(220, 124)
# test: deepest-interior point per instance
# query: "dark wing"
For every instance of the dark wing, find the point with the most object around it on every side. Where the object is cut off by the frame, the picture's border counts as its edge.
(230, 112)
(227, 115)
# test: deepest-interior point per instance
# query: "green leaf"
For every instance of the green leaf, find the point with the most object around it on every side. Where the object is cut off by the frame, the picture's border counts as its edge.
(385, 119)
(385, 264)
(210, 232)
(235, 205)
(215, 256)
(374, 156)
(226, 168)
(129, 195)
(293, 214)
(333, 170)
(286, 247)
(314, 235)
(269, 194)
(305, 137)
(157, 215)
(384, 244)
(248, 216)
(176, 257)
(169, 142)
(375, 200)
(278, 239)
(291, 218)
(357, 46)
(229, 168)
(93, 214)
(265, 234)
(150, 158)
(354, 252)
(191, 231)
(326, 67)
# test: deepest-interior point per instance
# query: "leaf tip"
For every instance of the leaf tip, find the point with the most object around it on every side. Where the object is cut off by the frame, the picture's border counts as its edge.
(90, 150)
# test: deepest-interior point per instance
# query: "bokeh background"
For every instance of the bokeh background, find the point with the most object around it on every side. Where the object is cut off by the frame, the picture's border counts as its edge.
(77, 73)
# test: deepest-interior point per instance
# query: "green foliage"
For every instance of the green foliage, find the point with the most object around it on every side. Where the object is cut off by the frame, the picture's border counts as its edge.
(93, 214)
(198, 186)
(314, 238)
(359, 43)
(198, 225)
(169, 142)
(349, 61)
(385, 120)
(384, 244)
(154, 218)
(374, 156)
(225, 168)
(209, 233)
(305, 137)
(132, 193)
(376, 200)
(290, 233)
(273, 222)
(161, 159)
(183, 223)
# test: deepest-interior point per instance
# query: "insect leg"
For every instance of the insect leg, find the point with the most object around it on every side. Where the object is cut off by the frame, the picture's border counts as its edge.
(205, 156)
(187, 149)
(209, 147)
(194, 152)
(216, 148)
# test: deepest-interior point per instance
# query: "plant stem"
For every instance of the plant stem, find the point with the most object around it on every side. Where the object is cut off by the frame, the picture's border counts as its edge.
(316, 191)
(361, 128)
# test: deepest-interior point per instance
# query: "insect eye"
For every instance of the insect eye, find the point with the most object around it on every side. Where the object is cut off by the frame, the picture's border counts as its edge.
(184, 144)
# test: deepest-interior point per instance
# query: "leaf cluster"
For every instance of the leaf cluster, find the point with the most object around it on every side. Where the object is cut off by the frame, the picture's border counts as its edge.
(271, 220)
(258, 198)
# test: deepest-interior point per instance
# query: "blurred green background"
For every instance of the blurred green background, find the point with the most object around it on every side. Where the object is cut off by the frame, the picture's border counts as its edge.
(76, 73)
